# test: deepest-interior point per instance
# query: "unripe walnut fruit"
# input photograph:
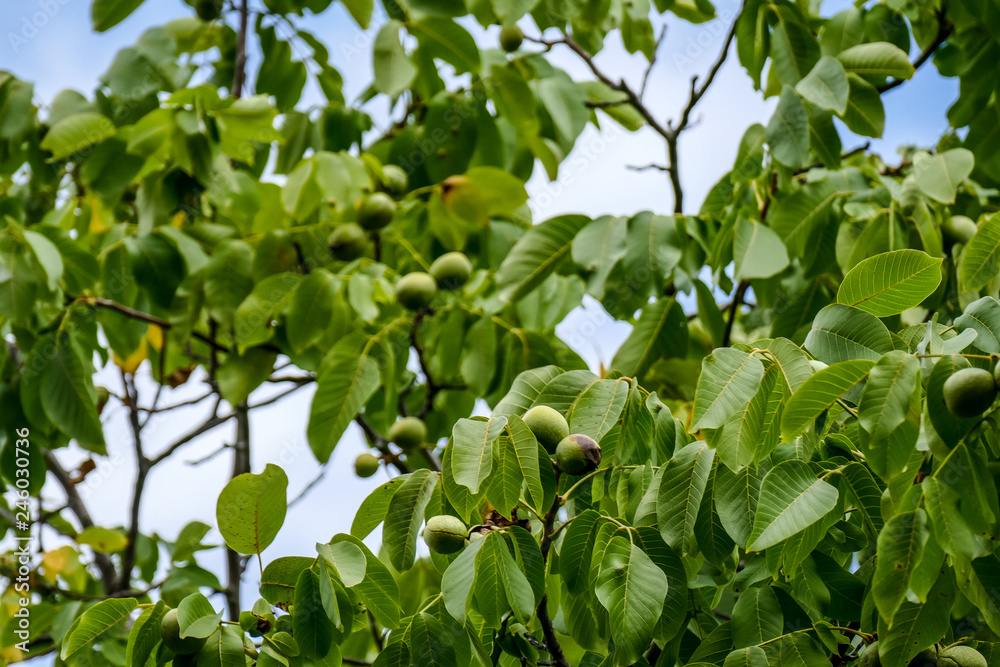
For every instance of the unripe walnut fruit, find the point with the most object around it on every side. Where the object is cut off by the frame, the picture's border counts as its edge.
(961, 656)
(445, 534)
(415, 291)
(377, 211)
(408, 433)
(578, 454)
(348, 242)
(451, 270)
(511, 37)
(170, 632)
(959, 229)
(394, 180)
(548, 425)
(969, 392)
(870, 657)
(366, 465)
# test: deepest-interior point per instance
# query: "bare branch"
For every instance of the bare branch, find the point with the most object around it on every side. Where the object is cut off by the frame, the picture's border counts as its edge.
(143, 466)
(741, 290)
(79, 509)
(240, 66)
(646, 167)
(241, 465)
(652, 61)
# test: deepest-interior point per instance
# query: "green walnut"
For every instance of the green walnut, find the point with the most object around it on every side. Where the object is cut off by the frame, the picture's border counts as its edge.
(451, 270)
(578, 454)
(377, 211)
(969, 392)
(870, 657)
(926, 658)
(208, 10)
(348, 242)
(511, 37)
(394, 180)
(366, 465)
(548, 425)
(996, 375)
(961, 656)
(959, 229)
(817, 365)
(408, 433)
(445, 534)
(415, 291)
(170, 631)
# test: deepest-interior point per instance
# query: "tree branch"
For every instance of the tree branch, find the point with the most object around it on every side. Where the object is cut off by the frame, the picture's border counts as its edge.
(76, 505)
(741, 290)
(146, 317)
(143, 466)
(240, 73)
(241, 465)
(944, 30)
(551, 641)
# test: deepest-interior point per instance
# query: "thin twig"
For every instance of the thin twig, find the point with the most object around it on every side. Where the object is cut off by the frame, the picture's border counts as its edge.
(741, 290)
(652, 61)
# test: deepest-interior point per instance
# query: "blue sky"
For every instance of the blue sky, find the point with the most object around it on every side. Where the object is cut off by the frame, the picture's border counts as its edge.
(50, 43)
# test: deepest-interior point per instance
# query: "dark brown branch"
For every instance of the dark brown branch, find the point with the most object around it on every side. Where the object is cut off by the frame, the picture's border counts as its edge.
(379, 442)
(143, 466)
(206, 426)
(76, 505)
(698, 92)
(652, 61)
(241, 464)
(240, 66)
(944, 30)
(150, 319)
(551, 641)
(734, 307)
(647, 167)
(851, 153)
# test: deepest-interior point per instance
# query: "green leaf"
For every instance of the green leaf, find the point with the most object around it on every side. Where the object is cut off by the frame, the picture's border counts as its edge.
(374, 507)
(938, 176)
(312, 628)
(981, 260)
(826, 86)
(472, 450)
(890, 395)
(458, 580)
(890, 282)
(661, 332)
(751, 656)
(103, 540)
(393, 68)
(751, 433)
(536, 255)
(361, 10)
(791, 500)
(983, 317)
(103, 617)
(632, 588)
(311, 309)
(597, 409)
(526, 450)
(729, 379)
(867, 495)
(379, 591)
(598, 247)
(736, 495)
(842, 333)
(77, 132)
(503, 489)
(67, 393)
(679, 497)
(145, 634)
(916, 626)
(448, 41)
(277, 582)
(347, 379)
(876, 59)
(757, 617)
(405, 516)
(228, 280)
(500, 584)
(758, 251)
(796, 217)
(196, 617)
(819, 392)
(524, 390)
(794, 49)
(347, 560)
(251, 509)
(865, 114)
(48, 257)
(106, 14)
(900, 548)
(788, 131)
